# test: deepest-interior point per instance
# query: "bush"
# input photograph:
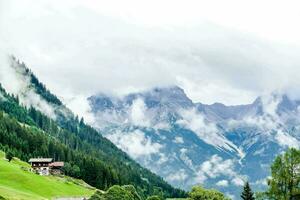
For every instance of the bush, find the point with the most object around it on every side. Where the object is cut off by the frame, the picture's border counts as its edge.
(9, 156)
(132, 191)
(199, 193)
(98, 195)
(117, 192)
(2, 198)
(154, 198)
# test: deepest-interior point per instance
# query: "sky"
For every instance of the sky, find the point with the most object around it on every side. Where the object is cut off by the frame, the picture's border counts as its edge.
(217, 51)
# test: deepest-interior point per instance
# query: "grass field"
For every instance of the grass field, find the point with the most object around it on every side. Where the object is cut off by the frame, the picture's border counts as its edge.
(18, 183)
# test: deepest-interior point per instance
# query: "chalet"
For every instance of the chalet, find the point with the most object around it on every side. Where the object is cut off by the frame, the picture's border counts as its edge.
(46, 166)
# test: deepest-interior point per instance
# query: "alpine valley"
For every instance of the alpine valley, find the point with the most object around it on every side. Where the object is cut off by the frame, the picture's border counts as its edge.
(35, 123)
(161, 129)
(191, 143)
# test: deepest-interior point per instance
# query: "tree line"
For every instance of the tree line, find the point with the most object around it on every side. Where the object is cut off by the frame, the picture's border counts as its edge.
(26, 132)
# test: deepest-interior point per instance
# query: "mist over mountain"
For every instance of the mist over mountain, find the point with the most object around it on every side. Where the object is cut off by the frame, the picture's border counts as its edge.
(35, 123)
(191, 143)
(185, 142)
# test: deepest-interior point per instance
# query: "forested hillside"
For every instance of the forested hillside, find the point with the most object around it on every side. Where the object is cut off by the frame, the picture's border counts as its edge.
(27, 132)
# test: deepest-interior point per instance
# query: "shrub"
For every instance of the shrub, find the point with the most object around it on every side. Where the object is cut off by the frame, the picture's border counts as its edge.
(9, 156)
(154, 198)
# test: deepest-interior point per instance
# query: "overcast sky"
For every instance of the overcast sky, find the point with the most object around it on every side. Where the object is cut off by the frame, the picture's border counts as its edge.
(217, 51)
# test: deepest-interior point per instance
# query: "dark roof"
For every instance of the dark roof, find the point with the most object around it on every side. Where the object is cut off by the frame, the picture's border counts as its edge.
(46, 160)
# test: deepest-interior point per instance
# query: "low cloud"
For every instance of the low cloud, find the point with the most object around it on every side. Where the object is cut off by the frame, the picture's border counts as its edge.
(217, 167)
(178, 140)
(179, 176)
(271, 124)
(238, 181)
(119, 54)
(205, 130)
(138, 114)
(80, 106)
(222, 183)
(286, 140)
(185, 158)
(15, 81)
(135, 143)
(262, 182)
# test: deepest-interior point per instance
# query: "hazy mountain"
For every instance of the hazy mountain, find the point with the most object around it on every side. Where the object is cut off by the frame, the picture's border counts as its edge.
(193, 143)
(34, 123)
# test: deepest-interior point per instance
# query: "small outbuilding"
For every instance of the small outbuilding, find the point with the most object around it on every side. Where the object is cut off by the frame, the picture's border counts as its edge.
(56, 168)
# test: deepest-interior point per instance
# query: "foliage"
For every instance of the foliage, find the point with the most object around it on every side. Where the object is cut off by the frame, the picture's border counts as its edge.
(132, 191)
(261, 196)
(154, 198)
(199, 193)
(247, 193)
(9, 156)
(285, 181)
(117, 192)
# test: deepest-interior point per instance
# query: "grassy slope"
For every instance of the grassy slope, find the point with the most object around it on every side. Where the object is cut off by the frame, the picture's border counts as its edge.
(17, 183)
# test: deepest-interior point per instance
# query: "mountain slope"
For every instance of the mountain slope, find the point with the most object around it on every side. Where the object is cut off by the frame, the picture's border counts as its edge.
(192, 143)
(16, 182)
(47, 128)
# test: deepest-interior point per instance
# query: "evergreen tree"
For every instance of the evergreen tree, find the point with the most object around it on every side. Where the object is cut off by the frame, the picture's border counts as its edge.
(9, 156)
(247, 193)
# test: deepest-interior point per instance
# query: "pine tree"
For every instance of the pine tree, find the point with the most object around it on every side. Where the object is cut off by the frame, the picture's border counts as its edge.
(247, 193)
(9, 156)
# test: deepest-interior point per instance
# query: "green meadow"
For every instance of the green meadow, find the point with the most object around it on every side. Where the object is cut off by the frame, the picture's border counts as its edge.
(17, 182)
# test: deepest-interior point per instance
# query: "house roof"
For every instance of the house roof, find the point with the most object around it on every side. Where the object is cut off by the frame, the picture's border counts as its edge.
(46, 160)
(57, 164)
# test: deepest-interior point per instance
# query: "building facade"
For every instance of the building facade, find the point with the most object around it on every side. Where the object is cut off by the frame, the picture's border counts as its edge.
(46, 166)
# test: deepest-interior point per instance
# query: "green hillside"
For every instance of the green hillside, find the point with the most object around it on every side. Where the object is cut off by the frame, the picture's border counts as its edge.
(28, 132)
(16, 182)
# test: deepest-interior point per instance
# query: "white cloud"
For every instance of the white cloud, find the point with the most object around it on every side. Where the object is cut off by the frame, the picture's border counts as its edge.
(137, 113)
(237, 181)
(80, 107)
(206, 131)
(109, 49)
(14, 81)
(269, 121)
(285, 139)
(162, 159)
(185, 158)
(218, 167)
(263, 182)
(178, 140)
(231, 196)
(222, 183)
(31, 98)
(180, 175)
(135, 143)
(161, 125)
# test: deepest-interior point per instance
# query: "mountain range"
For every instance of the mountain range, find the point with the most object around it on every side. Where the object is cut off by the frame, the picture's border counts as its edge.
(35, 123)
(161, 129)
(191, 143)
